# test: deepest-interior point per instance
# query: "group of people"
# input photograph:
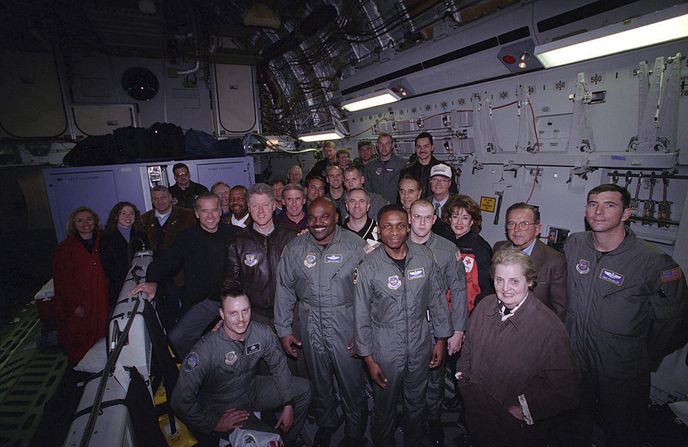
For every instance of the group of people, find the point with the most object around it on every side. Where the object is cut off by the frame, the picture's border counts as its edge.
(373, 273)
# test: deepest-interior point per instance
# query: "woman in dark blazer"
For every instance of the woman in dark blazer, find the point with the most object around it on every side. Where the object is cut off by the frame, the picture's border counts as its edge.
(123, 237)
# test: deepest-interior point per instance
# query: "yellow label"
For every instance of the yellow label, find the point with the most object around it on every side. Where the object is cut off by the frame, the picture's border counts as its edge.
(487, 204)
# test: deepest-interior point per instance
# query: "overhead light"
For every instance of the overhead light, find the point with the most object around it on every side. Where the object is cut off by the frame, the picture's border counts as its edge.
(378, 98)
(522, 64)
(327, 134)
(651, 29)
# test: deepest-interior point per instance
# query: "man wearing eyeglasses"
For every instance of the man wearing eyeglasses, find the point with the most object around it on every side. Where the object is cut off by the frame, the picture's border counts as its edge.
(522, 229)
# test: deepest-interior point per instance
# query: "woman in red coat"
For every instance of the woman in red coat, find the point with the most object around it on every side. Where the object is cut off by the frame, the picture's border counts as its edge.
(81, 291)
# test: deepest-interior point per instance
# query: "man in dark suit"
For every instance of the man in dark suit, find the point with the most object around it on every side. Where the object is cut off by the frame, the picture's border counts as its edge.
(522, 229)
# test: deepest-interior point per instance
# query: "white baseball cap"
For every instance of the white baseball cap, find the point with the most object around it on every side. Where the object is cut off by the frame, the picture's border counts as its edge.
(441, 169)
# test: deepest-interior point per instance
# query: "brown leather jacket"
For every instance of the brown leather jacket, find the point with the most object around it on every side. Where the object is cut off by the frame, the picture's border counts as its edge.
(251, 263)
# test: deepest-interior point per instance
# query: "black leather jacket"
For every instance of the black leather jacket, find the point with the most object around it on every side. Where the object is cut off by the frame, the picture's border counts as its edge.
(251, 263)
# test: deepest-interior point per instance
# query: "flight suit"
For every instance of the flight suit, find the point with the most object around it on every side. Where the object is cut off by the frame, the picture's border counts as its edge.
(624, 313)
(382, 177)
(220, 373)
(391, 324)
(448, 259)
(320, 278)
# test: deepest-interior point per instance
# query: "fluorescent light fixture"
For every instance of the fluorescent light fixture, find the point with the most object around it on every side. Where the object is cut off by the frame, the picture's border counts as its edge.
(650, 29)
(326, 134)
(378, 98)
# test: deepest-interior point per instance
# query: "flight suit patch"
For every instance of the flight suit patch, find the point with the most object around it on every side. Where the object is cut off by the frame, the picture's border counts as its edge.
(612, 277)
(583, 266)
(250, 260)
(356, 276)
(310, 260)
(671, 275)
(252, 349)
(393, 282)
(231, 358)
(415, 274)
(333, 258)
(191, 362)
(378, 171)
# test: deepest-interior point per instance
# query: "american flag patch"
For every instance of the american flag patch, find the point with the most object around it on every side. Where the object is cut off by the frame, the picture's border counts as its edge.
(670, 275)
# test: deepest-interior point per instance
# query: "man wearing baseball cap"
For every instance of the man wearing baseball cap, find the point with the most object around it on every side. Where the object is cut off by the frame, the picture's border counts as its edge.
(440, 181)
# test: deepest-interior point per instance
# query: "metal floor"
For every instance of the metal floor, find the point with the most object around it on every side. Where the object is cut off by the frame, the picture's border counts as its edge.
(28, 377)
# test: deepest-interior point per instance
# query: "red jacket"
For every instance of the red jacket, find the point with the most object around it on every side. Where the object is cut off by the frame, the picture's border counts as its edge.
(79, 282)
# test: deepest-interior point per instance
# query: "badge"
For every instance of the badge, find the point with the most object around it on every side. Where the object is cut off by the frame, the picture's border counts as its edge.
(670, 275)
(252, 349)
(356, 276)
(191, 362)
(310, 260)
(583, 267)
(415, 274)
(389, 169)
(393, 282)
(231, 358)
(612, 277)
(468, 263)
(250, 260)
(370, 247)
(378, 171)
(333, 258)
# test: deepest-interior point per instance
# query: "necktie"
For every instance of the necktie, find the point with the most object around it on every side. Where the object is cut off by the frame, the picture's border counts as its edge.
(437, 209)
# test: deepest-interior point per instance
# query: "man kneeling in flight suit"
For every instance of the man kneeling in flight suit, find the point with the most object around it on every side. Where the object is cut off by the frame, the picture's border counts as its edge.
(218, 388)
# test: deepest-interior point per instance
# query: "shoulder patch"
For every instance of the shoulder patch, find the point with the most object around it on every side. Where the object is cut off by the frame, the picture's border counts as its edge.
(468, 263)
(310, 260)
(250, 259)
(190, 362)
(583, 266)
(393, 282)
(231, 358)
(670, 275)
(356, 276)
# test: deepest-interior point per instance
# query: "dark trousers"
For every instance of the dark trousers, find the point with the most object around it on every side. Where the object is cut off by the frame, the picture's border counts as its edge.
(617, 404)
(190, 327)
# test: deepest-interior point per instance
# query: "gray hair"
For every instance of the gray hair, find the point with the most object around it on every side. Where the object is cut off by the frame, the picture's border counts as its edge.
(294, 187)
(261, 188)
(348, 194)
(220, 183)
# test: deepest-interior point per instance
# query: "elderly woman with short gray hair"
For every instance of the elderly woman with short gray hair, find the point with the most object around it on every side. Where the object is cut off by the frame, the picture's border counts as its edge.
(517, 371)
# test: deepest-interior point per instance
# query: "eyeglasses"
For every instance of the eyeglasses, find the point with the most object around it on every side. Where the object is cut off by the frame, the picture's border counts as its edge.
(521, 225)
